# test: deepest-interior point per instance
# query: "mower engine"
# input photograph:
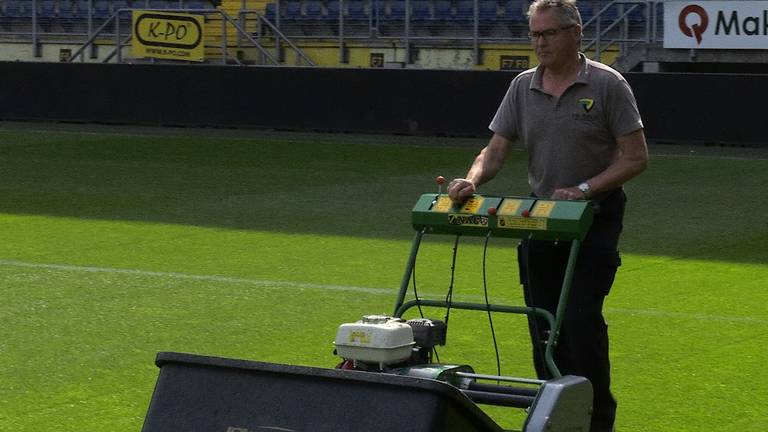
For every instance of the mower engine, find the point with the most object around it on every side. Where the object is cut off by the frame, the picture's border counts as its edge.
(390, 345)
(380, 343)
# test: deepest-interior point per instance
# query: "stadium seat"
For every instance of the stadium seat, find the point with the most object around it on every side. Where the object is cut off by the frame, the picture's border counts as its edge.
(396, 10)
(81, 11)
(313, 10)
(332, 11)
(291, 11)
(465, 10)
(66, 15)
(356, 10)
(610, 14)
(513, 11)
(443, 10)
(162, 4)
(66, 11)
(269, 11)
(46, 14)
(420, 11)
(378, 9)
(586, 12)
(101, 10)
(637, 14)
(16, 9)
(119, 4)
(121, 7)
(46, 9)
(487, 10)
(196, 4)
(139, 4)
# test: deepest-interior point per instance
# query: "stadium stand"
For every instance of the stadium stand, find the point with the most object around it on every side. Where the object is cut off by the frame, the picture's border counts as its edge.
(620, 28)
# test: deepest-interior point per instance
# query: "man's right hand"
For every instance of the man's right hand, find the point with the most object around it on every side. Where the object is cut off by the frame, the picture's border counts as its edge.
(460, 189)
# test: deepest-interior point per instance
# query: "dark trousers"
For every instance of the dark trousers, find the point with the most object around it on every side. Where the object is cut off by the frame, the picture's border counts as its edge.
(582, 347)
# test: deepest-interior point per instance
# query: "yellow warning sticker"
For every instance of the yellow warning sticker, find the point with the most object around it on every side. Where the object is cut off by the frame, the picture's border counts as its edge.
(443, 204)
(543, 209)
(359, 337)
(509, 206)
(522, 223)
(472, 205)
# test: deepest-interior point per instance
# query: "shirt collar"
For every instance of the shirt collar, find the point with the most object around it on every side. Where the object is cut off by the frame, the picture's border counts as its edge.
(582, 77)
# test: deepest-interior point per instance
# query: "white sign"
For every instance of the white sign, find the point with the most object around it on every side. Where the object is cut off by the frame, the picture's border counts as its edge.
(716, 24)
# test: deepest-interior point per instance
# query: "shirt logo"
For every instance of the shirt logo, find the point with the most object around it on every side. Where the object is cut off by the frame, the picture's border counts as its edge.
(587, 104)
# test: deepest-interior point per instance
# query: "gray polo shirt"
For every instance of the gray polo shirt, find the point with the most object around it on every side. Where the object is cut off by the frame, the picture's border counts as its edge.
(572, 138)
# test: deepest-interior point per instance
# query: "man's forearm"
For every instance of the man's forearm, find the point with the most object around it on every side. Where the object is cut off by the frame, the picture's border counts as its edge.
(489, 162)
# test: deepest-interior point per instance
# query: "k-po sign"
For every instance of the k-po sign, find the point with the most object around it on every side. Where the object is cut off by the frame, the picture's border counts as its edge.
(163, 35)
(716, 24)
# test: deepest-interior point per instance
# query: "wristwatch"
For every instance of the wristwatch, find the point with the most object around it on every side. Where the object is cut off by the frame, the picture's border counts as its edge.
(585, 189)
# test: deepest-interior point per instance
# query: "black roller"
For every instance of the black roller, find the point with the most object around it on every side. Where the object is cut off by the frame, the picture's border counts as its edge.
(500, 399)
(494, 388)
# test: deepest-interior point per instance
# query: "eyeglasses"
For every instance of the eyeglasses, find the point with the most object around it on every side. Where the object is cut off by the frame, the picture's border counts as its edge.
(547, 34)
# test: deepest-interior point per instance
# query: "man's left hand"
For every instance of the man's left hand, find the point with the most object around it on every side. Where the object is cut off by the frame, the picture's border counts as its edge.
(571, 193)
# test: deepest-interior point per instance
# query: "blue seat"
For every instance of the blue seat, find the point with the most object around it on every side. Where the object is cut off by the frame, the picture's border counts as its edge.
(46, 14)
(269, 11)
(313, 10)
(465, 10)
(420, 11)
(443, 11)
(18, 9)
(46, 9)
(101, 10)
(609, 14)
(356, 10)
(139, 4)
(292, 11)
(66, 10)
(487, 10)
(396, 10)
(196, 4)
(513, 11)
(332, 10)
(637, 14)
(81, 10)
(121, 7)
(161, 4)
(586, 12)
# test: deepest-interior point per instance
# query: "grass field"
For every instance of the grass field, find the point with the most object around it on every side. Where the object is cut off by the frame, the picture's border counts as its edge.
(115, 245)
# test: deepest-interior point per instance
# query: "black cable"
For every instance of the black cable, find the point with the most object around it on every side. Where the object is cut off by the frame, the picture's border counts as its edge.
(415, 292)
(418, 302)
(449, 295)
(488, 306)
(538, 344)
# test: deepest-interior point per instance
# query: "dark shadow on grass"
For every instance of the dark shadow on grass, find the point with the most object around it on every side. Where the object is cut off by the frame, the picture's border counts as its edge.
(350, 185)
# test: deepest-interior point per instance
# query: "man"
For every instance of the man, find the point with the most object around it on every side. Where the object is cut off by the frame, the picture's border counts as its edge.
(579, 122)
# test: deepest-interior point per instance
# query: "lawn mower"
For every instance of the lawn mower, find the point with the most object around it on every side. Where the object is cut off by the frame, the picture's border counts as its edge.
(388, 378)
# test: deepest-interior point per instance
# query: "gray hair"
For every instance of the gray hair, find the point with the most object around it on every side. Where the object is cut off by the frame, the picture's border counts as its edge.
(566, 11)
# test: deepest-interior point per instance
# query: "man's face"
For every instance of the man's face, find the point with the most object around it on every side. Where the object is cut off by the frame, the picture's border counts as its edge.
(554, 44)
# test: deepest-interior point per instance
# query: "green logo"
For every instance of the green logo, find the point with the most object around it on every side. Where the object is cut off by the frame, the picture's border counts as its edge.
(587, 104)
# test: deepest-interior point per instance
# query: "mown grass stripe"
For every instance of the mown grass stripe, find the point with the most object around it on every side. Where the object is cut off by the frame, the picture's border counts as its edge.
(265, 283)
